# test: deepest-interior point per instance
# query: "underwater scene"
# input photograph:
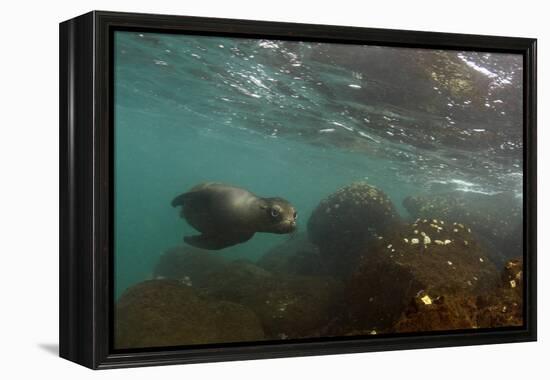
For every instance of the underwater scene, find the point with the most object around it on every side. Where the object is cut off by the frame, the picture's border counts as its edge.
(269, 190)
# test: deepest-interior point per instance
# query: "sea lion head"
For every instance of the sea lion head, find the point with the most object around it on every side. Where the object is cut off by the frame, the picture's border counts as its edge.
(278, 216)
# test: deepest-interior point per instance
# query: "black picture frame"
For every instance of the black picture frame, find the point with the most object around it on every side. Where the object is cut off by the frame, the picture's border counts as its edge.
(86, 187)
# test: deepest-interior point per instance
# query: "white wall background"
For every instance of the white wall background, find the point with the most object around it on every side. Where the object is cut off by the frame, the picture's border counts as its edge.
(29, 187)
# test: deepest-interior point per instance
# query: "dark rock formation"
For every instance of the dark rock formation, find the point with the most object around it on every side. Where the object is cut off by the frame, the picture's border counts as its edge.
(429, 275)
(288, 306)
(495, 219)
(501, 307)
(426, 261)
(505, 306)
(190, 265)
(295, 256)
(238, 281)
(454, 312)
(347, 220)
(166, 313)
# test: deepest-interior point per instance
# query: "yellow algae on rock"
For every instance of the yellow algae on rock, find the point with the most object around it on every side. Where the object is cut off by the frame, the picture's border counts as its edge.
(427, 300)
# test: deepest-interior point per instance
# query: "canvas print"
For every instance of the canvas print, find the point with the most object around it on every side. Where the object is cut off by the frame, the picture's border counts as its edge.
(269, 190)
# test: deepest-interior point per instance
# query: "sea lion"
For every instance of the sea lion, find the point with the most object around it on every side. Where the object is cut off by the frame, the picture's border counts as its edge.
(227, 215)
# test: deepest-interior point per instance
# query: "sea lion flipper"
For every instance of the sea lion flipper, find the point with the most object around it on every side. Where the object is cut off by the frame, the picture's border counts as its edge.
(179, 200)
(197, 197)
(215, 242)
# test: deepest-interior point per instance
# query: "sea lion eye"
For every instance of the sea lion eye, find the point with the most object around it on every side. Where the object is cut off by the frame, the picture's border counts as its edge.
(275, 212)
(295, 215)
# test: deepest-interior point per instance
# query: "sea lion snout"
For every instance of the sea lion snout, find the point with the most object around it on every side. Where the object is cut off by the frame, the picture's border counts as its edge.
(281, 216)
(286, 226)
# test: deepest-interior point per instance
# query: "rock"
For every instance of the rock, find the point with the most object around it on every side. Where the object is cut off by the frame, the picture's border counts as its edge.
(238, 281)
(166, 313)
(347, 220)
(512, 277)
(289, 306)
(189, 265)
(350, 215)
(504, 308)
(299, 306)
(501, 307)
(296, 256)
(495, 219)
(444, 313)
(432, 258)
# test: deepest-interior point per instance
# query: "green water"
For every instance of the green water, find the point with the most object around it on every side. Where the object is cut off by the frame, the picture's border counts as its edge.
(285, 119)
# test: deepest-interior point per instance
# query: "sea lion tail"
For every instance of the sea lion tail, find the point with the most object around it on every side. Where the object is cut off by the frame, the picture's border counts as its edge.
(179, 200)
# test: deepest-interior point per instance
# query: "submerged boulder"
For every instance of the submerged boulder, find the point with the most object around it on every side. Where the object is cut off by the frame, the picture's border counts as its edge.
(237, 282)
(288, 306)
(504, 308)
(295, 256)
(298, 307)
(453, 312)
(495, 219)
(426, 261)
(512, 277)
(500, 307)
(347, 220)
(191, 266)
(167, 313)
